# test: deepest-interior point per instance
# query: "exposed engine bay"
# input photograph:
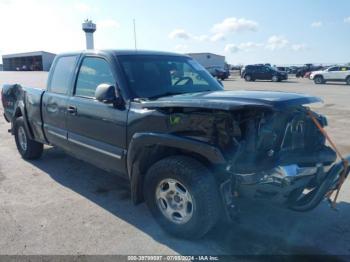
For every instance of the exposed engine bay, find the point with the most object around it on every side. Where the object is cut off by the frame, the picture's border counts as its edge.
(272, 155)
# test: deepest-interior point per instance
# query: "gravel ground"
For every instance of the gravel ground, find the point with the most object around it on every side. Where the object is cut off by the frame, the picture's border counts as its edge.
(60, 205)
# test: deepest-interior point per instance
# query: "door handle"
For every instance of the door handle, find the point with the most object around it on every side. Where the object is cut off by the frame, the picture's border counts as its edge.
(72, 110)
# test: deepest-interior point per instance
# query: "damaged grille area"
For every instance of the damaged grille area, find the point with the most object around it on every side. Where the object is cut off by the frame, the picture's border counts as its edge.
(256, 140)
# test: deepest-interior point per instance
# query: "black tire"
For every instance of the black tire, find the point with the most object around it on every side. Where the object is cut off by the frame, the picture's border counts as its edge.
(32, 149)
(275, 79)
(248, 78)
(318, 80)
(348, 80)
(199, 183)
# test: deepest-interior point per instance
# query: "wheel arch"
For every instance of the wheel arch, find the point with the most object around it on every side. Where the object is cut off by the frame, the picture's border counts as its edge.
(20, 112)
(147, 148)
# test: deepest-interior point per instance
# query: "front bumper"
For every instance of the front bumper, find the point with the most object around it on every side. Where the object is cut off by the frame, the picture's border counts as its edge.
(297, 188)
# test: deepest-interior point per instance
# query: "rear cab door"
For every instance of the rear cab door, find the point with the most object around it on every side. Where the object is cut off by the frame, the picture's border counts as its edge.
(54, 101)
(96, 131)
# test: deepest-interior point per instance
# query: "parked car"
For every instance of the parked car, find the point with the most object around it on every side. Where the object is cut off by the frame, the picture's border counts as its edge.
(306, 70)
(334, 73)
(189, 149)
(283, 69)
(218, 72)
(263, 72)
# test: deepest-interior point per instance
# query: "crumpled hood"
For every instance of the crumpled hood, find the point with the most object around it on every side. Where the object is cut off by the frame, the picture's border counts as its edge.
(232, 100)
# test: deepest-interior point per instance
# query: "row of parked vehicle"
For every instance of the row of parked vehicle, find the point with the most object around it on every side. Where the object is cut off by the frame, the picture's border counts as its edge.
(319, 74)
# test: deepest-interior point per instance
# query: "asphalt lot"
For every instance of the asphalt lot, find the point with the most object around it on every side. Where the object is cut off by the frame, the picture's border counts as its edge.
(60, 205)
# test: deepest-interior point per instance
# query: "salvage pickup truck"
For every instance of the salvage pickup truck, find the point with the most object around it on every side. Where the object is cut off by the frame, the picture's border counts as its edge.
(190, 149)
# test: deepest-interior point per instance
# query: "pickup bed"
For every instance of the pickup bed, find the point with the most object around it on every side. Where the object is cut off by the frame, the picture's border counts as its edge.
(190, 149)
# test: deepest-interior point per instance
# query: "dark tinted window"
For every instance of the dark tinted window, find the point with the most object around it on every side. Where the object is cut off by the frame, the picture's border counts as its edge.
(333, 69)
(93, 72)
(62, 74)
(344, 68)
(152, 76)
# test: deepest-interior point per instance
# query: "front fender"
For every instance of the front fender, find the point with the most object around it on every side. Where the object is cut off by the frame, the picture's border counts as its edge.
(140, 141)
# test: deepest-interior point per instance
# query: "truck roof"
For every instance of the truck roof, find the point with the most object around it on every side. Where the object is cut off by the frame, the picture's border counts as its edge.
(118, 52)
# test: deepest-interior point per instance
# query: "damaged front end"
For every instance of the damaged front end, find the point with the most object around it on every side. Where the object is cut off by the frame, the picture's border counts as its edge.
(273, 149)
(282, 158)
(275, 155)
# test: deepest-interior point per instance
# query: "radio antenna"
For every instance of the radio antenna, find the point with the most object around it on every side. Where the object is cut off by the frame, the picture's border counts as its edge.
(135, 41)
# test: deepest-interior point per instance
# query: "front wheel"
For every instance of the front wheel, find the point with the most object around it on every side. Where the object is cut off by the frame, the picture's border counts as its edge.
(275, 79)
(318, 80)
(248, 78)
(28, 148)
(183, 196)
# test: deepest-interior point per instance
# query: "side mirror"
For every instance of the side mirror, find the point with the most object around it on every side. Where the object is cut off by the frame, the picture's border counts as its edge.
(105, 93)
(109, 94)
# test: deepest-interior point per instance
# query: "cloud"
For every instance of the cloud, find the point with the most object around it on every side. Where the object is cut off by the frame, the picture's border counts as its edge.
(299, 47)
(218, 31)
(316, 24)
(276, 42)
(248, 46)
(347, 20)
(108, 24)
(217, 37)
(233, 24)
(82, 7)
(201, 38)
(179, 33)
(232, 48)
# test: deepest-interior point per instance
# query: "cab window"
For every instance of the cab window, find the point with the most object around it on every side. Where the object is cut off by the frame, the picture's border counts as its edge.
(62, 74)
(93, 72)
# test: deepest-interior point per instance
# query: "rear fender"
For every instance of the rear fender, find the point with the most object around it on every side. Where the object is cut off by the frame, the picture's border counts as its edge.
(20, 111)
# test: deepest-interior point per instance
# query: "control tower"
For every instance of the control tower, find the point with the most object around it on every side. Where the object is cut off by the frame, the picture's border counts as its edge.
(89, 28)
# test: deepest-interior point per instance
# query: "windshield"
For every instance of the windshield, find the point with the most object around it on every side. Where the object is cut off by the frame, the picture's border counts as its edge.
(151, 76)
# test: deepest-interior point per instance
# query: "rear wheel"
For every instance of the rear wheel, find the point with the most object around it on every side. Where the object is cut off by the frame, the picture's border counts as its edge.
(348, 80)
(183, 196)
(28, 148)
(248, 78)
(318, 80)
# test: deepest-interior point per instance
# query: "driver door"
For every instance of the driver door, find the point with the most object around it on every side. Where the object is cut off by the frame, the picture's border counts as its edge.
(96, 131)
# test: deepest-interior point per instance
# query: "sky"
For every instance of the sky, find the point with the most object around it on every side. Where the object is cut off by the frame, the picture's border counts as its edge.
(247, 31)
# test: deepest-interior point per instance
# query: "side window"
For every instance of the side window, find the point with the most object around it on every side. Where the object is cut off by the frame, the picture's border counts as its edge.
(334, 69)
(93, 72)
(62, 74)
